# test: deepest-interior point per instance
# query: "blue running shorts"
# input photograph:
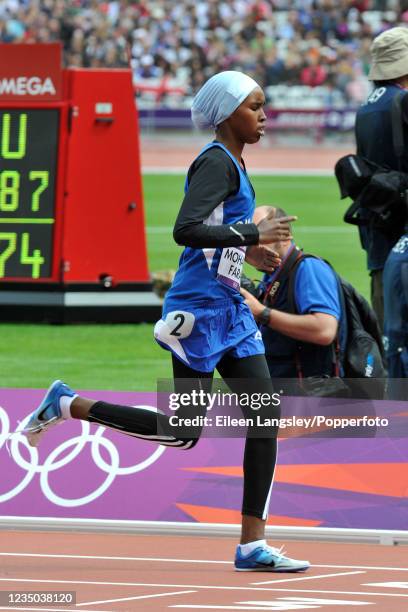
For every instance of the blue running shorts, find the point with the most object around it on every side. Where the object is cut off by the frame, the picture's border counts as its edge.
(201, 336)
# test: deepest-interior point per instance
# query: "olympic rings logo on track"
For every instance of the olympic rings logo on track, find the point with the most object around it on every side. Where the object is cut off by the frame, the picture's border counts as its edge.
(52, 463)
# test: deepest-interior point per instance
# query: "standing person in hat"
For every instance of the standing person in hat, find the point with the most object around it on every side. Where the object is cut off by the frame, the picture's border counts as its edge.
(389, 72)
(205, 323)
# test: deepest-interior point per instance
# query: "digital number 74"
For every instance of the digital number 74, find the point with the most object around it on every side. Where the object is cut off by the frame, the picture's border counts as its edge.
(35, 260)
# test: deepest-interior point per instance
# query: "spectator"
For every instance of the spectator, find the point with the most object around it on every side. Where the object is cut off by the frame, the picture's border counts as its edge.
(292, 67)
(197, 39)
(273, 67)
(313, 74)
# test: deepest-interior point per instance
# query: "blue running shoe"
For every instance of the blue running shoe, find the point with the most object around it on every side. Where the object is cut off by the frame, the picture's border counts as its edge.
(48, 412)
(268, 559)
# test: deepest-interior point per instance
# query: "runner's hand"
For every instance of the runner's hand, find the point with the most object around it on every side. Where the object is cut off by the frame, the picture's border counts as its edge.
(275, 230)
(263, 258)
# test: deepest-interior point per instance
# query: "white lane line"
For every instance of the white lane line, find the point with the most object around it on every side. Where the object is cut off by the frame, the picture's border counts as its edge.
(332, 602)
(108, 558)
(199, 586)
(103, 601)
(388, 585)
(280, 603)
(321, 229)
(172, 560)
(290, 172)
(279, 606)
(309, 577)
(50, 609)
(365, 567)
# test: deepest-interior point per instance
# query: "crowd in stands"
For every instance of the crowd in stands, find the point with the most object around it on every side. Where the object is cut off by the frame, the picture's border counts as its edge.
(178, 44)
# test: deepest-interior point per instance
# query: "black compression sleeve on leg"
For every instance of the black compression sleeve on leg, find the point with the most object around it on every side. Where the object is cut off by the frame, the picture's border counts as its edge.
(252, 375)
(182, 371)
(259, 466)
(138, 422)
(149, 424)
(188, 381)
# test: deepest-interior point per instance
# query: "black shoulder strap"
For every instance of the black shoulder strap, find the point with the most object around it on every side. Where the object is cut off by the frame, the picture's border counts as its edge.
(272, 290)
(292, 277)
(397, 124)
(351, 214)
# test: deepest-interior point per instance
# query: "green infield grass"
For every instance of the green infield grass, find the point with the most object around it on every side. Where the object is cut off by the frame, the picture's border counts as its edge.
(125, 357)
(315, 200)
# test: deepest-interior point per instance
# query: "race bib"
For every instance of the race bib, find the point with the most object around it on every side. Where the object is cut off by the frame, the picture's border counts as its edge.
(230, 266)
(177, 326)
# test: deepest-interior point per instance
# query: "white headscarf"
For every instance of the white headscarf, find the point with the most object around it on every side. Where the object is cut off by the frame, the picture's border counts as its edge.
(219, 97)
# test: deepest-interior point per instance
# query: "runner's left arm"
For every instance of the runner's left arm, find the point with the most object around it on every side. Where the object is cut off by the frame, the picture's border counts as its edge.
(212, 179)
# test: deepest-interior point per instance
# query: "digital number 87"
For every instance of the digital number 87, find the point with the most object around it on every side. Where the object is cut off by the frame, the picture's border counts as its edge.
(10, 189)
(35, 260)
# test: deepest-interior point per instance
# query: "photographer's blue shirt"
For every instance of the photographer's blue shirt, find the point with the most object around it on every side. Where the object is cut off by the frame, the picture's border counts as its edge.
(316, 288)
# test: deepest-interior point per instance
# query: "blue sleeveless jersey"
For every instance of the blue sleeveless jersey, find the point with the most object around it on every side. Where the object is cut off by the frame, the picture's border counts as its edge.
(210, 274)
(204, 315)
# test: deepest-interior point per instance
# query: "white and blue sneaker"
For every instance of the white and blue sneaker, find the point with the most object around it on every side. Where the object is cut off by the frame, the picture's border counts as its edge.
(48, 412)
(265, 558)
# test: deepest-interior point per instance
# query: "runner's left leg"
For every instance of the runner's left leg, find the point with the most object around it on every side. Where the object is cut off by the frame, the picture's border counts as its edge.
(251, 374)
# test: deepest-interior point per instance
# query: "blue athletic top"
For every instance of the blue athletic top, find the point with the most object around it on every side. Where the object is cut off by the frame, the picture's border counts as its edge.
(209, 274)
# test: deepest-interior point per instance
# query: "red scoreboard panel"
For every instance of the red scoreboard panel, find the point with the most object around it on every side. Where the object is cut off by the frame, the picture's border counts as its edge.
(103, 214)
(72, 230)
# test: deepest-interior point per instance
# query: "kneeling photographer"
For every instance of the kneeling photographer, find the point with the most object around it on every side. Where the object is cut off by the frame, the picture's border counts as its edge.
(299, 309)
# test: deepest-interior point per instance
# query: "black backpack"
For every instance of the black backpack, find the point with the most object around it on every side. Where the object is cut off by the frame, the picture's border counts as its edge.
(362, 356)
(378, 190)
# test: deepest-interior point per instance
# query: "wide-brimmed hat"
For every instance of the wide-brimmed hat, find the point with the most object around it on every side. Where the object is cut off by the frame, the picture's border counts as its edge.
(389, 53)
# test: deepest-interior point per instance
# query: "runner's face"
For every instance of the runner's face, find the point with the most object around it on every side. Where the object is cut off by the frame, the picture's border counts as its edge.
(248, 121)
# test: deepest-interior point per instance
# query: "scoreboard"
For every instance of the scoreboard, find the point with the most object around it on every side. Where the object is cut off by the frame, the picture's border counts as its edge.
(29, 147)
(72, 228)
